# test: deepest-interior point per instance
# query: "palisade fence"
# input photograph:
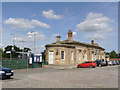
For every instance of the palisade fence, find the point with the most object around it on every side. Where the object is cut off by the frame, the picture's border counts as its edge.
(15, 63)
(21, 63)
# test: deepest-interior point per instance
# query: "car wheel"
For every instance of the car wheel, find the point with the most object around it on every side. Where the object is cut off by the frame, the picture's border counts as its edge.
(91, 66)
(79, 66)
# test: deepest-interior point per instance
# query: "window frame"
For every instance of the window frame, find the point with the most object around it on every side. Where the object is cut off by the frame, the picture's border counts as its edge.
(79, 55)
(71, 55)
(64, 55)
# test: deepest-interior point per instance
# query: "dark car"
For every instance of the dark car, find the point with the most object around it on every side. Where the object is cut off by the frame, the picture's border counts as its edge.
(101, 62)
(117, 62)
(5, 72)
(104, 62)
(98, 62)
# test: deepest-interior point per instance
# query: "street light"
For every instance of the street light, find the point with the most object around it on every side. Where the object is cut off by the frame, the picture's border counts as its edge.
(32, 32)
(13, 38)
(13, 43)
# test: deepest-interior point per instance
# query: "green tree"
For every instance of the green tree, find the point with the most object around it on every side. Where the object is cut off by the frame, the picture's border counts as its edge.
(1, 53)
(107, 53)
(113, 54)
(14, 51)
(26, 49)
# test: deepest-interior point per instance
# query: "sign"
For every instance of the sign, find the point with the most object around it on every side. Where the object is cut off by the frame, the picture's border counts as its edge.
(30, 61)
(8, 52)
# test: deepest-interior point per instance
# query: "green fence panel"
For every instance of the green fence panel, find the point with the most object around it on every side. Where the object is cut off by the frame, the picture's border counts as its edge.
(15, 63)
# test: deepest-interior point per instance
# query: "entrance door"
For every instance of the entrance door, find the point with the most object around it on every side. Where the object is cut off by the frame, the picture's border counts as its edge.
(51, 57)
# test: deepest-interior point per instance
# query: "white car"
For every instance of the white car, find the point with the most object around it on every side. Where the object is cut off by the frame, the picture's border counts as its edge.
(109, 63)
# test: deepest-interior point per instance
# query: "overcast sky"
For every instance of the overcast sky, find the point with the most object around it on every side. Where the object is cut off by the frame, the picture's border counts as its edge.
(89, 20)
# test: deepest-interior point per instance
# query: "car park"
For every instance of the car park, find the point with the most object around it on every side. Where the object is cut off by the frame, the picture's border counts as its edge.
(87, 64)
(5, 72)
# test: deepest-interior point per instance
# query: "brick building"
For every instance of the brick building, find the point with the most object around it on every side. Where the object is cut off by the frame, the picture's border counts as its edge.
(71, 52)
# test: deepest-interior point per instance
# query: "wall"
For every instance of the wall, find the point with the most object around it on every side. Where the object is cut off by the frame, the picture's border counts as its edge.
(57, 58)
(67, 61)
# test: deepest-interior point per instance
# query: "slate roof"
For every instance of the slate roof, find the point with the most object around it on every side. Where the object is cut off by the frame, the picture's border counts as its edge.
(72, 43)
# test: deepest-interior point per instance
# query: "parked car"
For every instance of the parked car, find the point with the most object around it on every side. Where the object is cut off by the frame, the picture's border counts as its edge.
(87, 64)
(113, 63)
(117, 62)
(5, 72)
(109, 63)
(104, 62)
(98, 62)
(101, 62)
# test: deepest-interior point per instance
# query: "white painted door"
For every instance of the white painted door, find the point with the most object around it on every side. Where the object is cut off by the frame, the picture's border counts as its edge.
(51, 58)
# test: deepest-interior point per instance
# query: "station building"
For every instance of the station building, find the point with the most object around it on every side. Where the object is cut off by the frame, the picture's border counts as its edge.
(71, 52)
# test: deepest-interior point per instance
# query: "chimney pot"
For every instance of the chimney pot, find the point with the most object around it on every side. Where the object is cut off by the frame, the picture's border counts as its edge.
(70, 37)
(58, 38)
(92, 41)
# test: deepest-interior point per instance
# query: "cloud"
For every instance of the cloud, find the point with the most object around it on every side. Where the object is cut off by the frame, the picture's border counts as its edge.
(30, 38)
(1, 45)
(97, 37)
(54, 35)
(33, 15)
(74, 34)
(20, 23)
(95, 22)
(50, 15)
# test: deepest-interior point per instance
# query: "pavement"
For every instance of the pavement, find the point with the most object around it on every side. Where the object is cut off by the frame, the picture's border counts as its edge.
(64, 77)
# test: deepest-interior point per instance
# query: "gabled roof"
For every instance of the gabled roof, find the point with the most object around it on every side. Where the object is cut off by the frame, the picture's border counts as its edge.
(72, 43)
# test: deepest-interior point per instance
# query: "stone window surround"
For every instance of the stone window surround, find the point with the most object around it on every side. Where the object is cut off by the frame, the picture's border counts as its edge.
(61, 55)
(79, 54)
(71, 55)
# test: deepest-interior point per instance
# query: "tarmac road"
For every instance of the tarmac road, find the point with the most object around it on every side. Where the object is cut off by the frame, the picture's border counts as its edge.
(51, 77)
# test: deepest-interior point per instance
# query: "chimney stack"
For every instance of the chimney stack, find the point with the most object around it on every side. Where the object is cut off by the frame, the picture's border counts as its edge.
(58, 38)
(92, 41)
(70, 37)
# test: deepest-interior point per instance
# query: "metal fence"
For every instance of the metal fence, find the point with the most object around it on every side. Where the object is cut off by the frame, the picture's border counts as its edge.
(21, 64)
(15, 63)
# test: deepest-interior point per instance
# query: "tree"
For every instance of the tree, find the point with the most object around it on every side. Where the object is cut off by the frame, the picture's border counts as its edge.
(113, 54)
(26, 49)
(1, 53)
(13, 49)
(107, 53)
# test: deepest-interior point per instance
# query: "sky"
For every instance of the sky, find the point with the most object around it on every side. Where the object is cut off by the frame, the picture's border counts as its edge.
(87, 20)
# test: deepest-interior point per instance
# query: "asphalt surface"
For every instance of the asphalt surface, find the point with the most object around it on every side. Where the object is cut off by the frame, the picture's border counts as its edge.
(57, 77)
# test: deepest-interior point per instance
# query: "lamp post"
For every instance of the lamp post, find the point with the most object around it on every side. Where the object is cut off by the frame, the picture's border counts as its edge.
(32, 32)
(13, 43)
